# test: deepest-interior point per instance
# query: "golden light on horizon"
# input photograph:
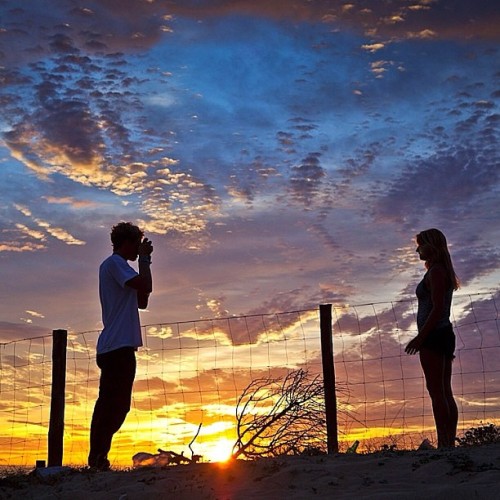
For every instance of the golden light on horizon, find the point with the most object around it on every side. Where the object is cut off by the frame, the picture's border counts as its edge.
(219, 450)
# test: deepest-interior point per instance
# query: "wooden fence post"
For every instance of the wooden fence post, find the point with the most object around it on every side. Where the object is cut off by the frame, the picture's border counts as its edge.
(325, 316)
(56, 425)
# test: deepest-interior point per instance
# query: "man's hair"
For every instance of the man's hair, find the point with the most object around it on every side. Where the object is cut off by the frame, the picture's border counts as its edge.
(125, 231)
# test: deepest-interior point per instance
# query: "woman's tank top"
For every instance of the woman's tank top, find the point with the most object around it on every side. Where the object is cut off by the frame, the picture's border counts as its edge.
(425, 305)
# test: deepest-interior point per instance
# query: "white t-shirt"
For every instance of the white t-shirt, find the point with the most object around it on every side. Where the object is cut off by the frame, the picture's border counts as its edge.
(120, 311)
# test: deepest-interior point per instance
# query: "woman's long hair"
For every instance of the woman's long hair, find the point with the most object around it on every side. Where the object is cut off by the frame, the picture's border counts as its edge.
(437, 241)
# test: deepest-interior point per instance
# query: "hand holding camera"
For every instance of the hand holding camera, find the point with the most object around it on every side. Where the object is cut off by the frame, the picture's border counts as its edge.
(146, 247)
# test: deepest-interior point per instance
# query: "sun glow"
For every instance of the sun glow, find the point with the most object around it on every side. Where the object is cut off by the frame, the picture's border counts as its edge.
(220, 450)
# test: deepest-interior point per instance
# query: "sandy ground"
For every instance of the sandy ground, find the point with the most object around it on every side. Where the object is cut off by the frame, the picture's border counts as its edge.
(463, 473)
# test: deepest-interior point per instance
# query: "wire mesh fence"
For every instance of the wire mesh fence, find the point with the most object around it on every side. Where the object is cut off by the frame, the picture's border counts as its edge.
(191, 373)
(387, 398)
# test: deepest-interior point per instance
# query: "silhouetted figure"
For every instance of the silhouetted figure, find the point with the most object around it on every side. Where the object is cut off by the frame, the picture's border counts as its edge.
(435, 341)
(122, 292)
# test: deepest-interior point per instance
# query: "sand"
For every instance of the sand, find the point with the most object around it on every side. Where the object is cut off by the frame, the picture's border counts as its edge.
(462, 473)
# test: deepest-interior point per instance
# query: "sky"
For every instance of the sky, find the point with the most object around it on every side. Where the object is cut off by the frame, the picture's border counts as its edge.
(278, 154)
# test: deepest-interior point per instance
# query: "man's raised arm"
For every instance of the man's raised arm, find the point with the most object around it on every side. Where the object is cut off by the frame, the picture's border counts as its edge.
(143, 283)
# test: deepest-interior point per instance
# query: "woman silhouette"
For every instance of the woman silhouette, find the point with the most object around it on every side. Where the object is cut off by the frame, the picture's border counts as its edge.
(435, 341)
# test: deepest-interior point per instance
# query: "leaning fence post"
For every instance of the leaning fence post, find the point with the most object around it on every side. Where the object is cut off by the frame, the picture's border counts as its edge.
(56, 424)
(325, 317)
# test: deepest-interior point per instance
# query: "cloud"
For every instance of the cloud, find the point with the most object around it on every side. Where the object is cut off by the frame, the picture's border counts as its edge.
(435, 183)
(68, 200)
(19, 246)
(423, 35)
(395, 20)
(59, 233)
(78, 127)
(306, 180)
(175, 200)
(10, 331)
(63, 142)
(373, 47)
(475, 259)
(103, 26)
(31, 233)
(47, 229)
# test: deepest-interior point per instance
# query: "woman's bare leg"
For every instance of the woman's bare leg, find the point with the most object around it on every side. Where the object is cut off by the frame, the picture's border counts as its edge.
(452, 405)
(437, 372)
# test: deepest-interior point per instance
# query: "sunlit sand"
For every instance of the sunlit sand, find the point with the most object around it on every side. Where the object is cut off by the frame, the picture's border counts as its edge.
(461, 473)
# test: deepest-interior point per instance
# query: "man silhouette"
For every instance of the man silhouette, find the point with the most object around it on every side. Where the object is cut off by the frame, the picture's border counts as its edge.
(122, 291)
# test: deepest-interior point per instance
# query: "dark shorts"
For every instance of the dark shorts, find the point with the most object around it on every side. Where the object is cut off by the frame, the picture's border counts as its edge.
(442, 341)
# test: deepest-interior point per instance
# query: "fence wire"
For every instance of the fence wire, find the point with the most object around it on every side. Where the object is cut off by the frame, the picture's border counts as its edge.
(191, 373)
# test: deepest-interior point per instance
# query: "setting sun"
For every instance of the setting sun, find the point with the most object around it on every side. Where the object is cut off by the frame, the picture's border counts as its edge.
(220, 450)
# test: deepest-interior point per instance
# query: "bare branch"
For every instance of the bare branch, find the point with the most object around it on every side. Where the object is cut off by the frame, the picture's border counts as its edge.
(277, 416)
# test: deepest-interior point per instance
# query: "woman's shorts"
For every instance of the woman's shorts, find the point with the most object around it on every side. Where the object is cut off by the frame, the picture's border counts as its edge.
(442, 341)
